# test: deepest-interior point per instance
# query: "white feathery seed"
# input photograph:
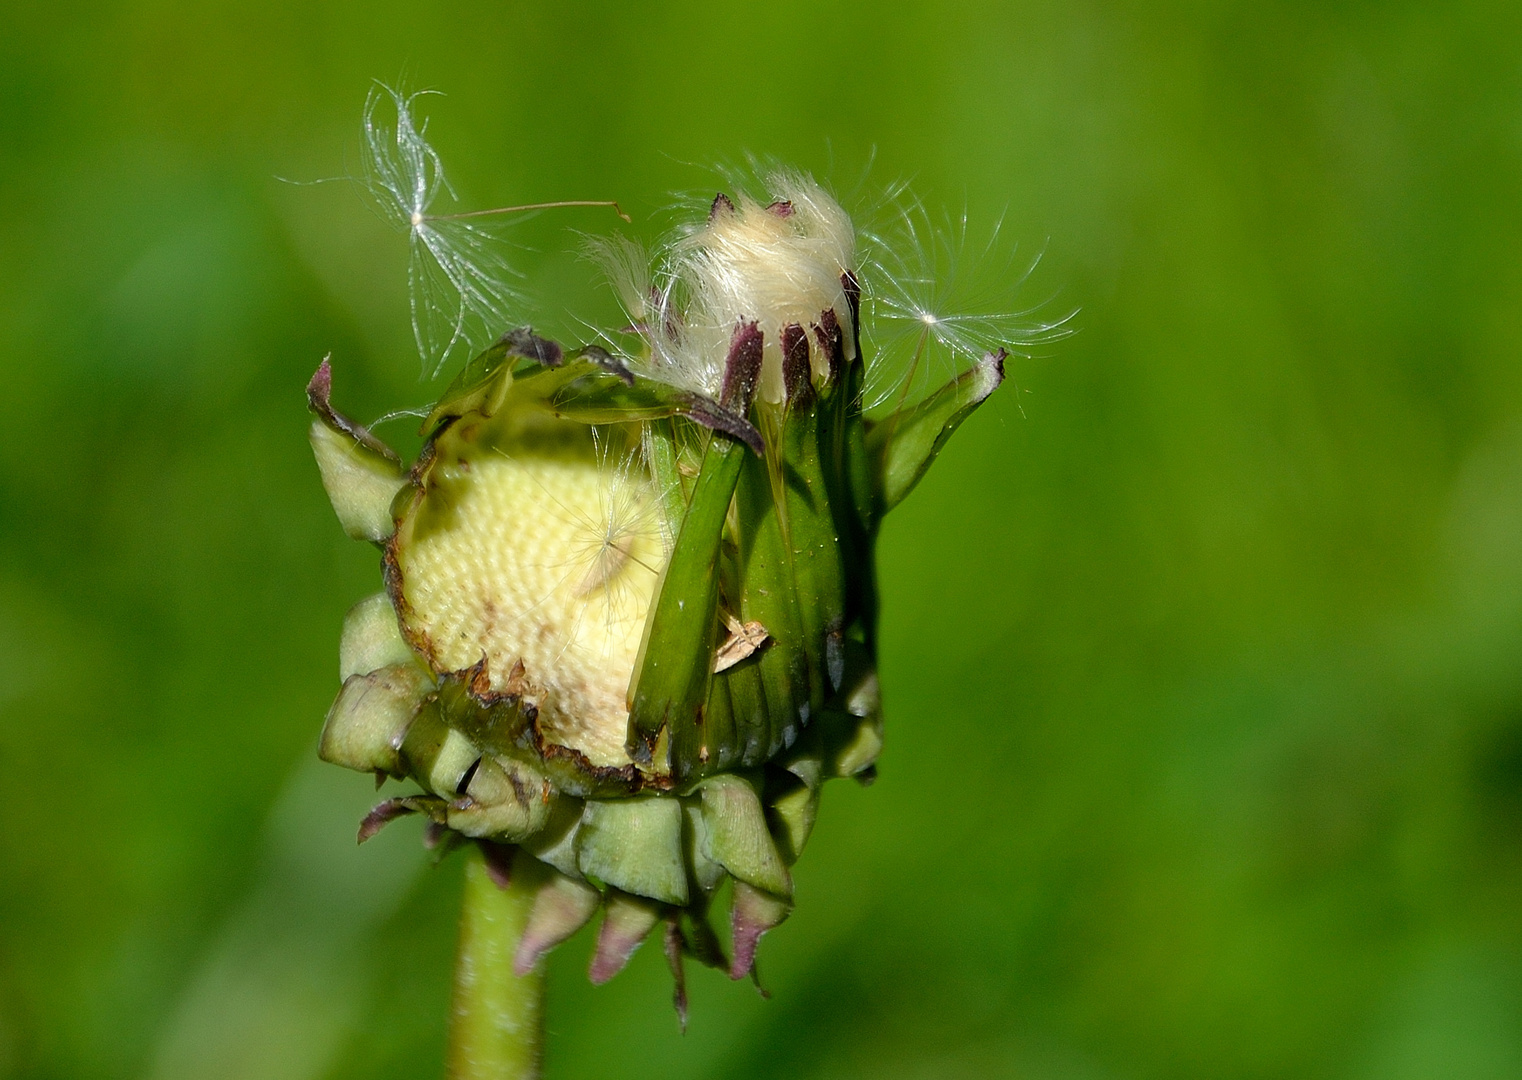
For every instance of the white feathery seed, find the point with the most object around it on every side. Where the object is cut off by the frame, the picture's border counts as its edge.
(936, 302)
(457, 275)
(774, 262)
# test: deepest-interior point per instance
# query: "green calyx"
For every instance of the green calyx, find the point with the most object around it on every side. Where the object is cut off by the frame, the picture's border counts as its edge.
(629, 628)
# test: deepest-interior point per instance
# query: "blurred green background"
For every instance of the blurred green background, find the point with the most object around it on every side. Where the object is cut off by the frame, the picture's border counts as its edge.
(1202, 645)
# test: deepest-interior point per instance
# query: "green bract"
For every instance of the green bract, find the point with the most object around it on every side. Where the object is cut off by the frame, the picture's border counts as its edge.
(629, 620)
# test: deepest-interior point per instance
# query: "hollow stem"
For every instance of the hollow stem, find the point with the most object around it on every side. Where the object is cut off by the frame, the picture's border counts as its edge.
(496, 1024)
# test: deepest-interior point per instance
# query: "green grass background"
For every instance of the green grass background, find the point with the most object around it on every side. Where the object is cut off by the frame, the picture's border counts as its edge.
(1202, 645)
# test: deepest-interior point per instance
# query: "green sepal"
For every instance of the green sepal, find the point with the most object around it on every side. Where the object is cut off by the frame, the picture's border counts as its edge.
(720, 746)
(480, 387)
(371, 638)
(662, 453)
(360, 473)
(485, 383)
(555, 843)
(736, 834)
(585, 385)
(635, 845)
(360, 483)
(675, 662)
(806, 759)
(371, 712)
(388, 811)
(436, 755)
(819, 570)
(848, 480)
(707, 872)
(858, 752)
(752, 913)
(861, 693)
(852, 453)
(505, 801)
(749, 720)
(904, 445)
(498, 727)
(589, 394)
(854, 733)
(768, 596)
(562, 906)
(792, 807)
(628, 922)
(807, 767)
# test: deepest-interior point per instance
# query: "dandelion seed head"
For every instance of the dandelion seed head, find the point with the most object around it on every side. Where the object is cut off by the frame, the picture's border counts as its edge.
(775, 261)
(936, 297)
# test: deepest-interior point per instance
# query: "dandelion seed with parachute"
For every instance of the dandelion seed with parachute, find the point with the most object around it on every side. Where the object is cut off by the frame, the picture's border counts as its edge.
(940, 299)
(458, 275)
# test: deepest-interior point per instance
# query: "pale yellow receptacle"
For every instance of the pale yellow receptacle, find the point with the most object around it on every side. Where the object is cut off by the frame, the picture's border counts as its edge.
(547, 562)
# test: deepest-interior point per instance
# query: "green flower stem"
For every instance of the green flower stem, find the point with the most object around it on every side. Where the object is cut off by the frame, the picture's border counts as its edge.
(496, 1027)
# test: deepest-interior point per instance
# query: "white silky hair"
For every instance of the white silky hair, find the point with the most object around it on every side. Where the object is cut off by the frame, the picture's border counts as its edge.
(774, 262)
(458, 277)
(937, 298)
(934, 301)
